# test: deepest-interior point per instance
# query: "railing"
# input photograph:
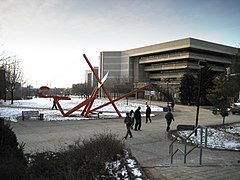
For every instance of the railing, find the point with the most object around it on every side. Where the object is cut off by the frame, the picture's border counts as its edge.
(155, 67)
(160, 57)
(185, 139)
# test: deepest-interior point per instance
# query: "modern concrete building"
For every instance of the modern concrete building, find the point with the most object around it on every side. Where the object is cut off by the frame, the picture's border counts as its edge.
(165, 63)
(111, 61)
(89, 77)
(94, 80)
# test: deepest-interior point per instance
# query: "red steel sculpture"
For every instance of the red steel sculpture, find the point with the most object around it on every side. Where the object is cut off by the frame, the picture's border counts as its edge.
(89, 102)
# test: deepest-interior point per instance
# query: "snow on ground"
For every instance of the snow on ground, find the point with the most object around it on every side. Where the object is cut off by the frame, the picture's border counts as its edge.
(13, 111)
(130, 168)
(224, 137)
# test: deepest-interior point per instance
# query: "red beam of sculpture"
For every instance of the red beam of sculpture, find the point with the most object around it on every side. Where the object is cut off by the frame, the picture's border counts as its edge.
(88, 102)
(89, 105)
(42, 95)
(86, 107)
(57, 98)
(121, 97)
(104, 89)
(93, 96)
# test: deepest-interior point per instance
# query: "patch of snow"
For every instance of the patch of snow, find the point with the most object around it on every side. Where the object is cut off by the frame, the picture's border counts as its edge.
(43, 105)
(136, 172)
(114, 168)
(232, 129)
(131, 163)
(218, 138)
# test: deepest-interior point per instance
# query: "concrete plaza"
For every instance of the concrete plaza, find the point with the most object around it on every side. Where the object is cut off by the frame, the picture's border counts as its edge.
(150, 146)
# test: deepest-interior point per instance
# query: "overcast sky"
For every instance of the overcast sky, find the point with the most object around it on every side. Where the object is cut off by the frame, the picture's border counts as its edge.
(50, 36)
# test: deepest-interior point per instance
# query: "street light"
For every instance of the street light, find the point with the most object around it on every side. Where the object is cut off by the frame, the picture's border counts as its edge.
(167, 80)
(201, 64)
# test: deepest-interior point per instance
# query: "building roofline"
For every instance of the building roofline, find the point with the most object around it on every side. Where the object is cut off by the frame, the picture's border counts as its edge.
(183, 43)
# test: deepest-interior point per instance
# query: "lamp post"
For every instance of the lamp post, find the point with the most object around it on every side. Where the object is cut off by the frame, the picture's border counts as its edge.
(167, 80)
(201, 64)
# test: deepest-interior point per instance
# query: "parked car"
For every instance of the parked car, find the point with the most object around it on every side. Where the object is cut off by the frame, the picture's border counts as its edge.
(235, 109)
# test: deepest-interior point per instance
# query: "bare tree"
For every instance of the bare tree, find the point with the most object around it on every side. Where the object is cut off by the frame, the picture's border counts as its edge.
(4, 59)
(118, 86)
(14, 76)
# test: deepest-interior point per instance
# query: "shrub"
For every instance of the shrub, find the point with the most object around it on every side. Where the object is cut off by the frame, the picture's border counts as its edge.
(13, 164)
(85, 159)
(46, 165)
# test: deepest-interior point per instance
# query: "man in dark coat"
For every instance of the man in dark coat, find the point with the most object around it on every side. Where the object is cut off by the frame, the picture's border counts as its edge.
(148, 113)
(138, 118)
(169, 118)
(128, 122)
(132, 117)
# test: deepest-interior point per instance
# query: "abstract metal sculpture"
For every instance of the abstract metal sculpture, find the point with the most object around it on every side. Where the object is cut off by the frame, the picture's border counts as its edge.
(89, 102)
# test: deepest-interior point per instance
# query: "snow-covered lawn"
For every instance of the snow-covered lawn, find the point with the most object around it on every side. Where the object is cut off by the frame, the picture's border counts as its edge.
(43, 105)
(223, 137)
(218, 137)
(131, 168)
(14, 112)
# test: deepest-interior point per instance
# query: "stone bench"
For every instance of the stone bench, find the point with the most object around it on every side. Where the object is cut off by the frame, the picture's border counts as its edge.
(31, 114)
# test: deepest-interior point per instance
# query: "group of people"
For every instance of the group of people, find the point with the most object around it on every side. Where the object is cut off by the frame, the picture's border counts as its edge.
(136, 116)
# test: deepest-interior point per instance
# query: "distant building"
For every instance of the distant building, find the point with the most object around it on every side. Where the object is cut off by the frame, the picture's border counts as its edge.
(94, 80)
(90, 79)
(165, 63)
(112, 62)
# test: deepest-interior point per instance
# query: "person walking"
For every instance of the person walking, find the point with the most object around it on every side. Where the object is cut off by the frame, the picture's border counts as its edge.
(172, 105)
(128, 122)
(132, 117)
(54, 105)
(169, 118)
(148, 114)
(138, 118)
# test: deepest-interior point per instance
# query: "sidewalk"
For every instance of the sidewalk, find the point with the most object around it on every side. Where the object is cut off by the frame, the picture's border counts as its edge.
(149, 146)
(151, 150)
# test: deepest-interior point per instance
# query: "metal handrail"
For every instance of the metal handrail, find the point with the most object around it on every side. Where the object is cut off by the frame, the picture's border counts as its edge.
(185, 152)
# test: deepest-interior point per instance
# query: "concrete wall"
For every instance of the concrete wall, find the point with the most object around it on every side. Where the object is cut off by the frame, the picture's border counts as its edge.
(128, 65)
(110, 62)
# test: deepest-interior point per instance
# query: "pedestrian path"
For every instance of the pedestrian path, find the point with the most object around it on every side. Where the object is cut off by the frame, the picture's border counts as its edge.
(151, 150)
(214, 172)
(149, 146)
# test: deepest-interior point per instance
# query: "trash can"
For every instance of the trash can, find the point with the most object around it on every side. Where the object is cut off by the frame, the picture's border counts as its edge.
(41, 116)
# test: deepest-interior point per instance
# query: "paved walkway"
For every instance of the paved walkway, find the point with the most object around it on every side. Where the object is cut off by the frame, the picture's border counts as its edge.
(149, 146)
